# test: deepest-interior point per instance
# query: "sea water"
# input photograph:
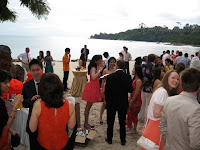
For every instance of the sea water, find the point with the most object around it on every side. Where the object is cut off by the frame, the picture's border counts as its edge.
(57, 46)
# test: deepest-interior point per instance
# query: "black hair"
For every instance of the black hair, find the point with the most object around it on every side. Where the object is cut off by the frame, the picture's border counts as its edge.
(4, 75)
(51, 90)
(67, 49)
(186, 54)
(138, 61)
(105, 54)
(168, 60)
(138, 71)
(35, 62)
(82, 57)
(93, 62)
(180, 53)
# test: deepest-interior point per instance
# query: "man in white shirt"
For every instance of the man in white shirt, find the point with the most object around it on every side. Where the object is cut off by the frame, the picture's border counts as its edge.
(25, 59)
(106, 55)
(127, 58)
(195, 63)
(166, 56)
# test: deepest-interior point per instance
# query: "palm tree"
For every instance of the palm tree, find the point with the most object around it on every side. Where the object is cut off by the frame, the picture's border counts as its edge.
(39, 8)
(142, 25)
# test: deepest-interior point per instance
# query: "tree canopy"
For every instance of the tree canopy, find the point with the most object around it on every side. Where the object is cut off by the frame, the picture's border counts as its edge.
(189, 34)
(39, 8)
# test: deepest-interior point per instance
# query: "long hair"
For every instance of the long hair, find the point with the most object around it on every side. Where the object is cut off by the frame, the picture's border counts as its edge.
(138, 72)
(4, 75)
(165, 85)
(111, 58)
(93, 62)
(82, 57)
(51, 90)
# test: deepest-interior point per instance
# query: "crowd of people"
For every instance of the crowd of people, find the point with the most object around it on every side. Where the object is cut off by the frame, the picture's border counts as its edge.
(160, 95)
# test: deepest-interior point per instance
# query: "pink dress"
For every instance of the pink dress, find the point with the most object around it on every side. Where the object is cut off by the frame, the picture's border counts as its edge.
(92, 92)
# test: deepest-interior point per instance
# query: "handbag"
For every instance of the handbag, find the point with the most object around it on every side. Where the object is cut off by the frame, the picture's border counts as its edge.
(15, 140)
(146, 143)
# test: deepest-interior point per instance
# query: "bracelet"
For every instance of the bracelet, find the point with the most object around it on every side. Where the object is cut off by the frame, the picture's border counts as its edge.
(14, 110)
(12, 117)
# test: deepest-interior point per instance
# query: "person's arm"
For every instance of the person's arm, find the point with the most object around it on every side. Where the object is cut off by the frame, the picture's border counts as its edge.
(33, 124)
(72, 120)
(130, 57)
(19, 56)
(194, 129)
(163, 125)
(157, 111)
(17, 101)
(51, 58)
(137, 90)
(95, 74)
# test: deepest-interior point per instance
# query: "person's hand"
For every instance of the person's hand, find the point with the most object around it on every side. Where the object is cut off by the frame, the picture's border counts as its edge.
(34, 98)
(18, 99)
(100, 69)
(69, 55)
(131, 103)
(14, 133)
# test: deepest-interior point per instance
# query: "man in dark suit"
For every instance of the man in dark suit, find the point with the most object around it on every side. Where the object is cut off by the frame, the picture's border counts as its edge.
(118, 85)
(85, 51)
(30, 95)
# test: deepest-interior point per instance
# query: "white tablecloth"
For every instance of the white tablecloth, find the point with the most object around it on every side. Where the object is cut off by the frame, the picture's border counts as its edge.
(19, 123)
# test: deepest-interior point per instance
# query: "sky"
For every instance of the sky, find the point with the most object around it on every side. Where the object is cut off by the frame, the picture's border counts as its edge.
(83, 18)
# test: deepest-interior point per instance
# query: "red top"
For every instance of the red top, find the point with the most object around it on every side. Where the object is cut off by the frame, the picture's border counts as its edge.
(52, 133)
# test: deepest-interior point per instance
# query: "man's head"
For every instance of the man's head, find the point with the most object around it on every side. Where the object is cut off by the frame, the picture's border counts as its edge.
(180, 53)
(27, 50)
(151, 58)
(186, 55)
(125, 49)
(105, 54)
(85, 46)
(191, 75)
(36, 68)
(120, 64)
(67, 50)
(5, 55)
(168, 52)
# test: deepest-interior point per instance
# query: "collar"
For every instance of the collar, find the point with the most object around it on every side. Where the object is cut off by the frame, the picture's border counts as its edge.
(120, 69)
(36, 82)
(187, 94)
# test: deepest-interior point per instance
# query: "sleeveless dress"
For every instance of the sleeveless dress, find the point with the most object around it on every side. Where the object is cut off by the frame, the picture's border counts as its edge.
(92, 92)
(52, 133)
(49, 67)
(132, 114)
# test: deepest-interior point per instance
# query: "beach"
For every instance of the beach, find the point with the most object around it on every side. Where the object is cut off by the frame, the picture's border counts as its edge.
(98, 142)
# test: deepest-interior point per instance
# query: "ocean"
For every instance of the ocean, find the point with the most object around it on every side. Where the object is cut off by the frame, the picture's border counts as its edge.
(57, 46)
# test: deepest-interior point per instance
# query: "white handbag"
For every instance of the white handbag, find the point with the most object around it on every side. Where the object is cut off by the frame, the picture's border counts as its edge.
(146, 143)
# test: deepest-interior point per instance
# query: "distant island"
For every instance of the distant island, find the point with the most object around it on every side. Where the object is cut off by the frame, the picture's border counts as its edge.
(189, 35)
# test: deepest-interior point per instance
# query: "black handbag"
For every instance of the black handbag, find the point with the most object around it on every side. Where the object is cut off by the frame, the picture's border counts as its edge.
(15, 140)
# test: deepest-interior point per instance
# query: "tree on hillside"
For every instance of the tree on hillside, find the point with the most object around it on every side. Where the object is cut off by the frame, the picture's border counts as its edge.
(39, 8)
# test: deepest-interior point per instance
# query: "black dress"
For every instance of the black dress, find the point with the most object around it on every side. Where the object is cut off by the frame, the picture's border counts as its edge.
(3, 115)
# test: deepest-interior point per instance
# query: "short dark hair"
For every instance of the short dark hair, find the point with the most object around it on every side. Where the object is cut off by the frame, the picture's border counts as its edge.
(138, 61)
(180, 53)
(189, 75)
(105, 54)
(151, 57)
(186, 54)
(67, 49)
(125, 48)
(179, 67)
(35, 62)
(51, 90)
(121, 64)
(168, 51)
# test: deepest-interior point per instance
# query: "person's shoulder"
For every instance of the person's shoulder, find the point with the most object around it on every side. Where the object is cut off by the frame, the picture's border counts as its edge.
(29, 82)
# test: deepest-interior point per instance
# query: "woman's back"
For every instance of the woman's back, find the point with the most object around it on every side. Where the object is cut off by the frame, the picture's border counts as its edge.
(52, 123)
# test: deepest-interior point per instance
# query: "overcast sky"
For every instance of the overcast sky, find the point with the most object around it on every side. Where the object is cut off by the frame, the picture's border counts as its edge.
(87, 17)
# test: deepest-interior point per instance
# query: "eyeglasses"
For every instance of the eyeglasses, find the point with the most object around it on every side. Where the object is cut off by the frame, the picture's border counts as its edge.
(35, 70)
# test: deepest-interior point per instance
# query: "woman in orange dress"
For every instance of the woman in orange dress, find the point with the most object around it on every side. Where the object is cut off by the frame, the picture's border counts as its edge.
(111, 69)
(51, 114)
(169, 86)
(135, 101)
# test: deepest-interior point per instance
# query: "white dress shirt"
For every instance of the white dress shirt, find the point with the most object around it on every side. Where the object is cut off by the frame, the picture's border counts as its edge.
(24, 58)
